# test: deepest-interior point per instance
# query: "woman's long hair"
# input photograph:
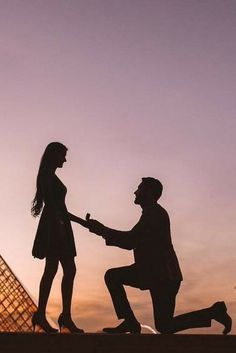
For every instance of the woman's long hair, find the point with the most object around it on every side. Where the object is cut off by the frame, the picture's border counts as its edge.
(47, 161)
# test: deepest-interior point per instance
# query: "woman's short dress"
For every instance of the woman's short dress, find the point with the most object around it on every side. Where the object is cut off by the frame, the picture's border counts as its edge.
(54, 236)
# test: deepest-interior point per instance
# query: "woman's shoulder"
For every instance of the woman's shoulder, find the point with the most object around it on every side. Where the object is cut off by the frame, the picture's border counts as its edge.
(46, 176)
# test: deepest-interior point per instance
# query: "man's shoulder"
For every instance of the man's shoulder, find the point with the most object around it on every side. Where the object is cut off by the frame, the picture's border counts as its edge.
(159, 210)
(156, 214)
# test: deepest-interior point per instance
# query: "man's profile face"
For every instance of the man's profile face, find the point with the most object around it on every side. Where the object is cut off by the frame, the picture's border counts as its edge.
(140, 194)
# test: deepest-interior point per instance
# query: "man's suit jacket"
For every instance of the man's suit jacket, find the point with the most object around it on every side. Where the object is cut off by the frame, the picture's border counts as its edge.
(150, 239)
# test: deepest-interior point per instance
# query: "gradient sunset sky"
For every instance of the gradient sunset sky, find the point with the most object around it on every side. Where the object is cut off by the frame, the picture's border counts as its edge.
(133, 88)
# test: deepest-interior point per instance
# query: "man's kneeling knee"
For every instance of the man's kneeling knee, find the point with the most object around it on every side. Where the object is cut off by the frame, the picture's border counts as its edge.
(109, 275)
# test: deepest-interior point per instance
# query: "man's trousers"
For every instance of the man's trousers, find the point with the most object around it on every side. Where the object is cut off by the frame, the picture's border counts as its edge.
(163, 299)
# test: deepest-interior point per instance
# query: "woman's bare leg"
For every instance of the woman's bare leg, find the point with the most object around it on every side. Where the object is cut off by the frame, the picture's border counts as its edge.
(69, 271)
(50, 270)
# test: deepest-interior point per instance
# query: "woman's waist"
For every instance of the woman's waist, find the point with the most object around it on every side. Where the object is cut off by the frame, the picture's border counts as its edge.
(55, 212)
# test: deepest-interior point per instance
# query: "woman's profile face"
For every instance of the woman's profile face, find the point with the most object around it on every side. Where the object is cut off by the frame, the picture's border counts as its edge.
(60, 159)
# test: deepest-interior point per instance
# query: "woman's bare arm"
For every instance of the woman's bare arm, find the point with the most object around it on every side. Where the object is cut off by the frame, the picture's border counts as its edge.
(79, 220)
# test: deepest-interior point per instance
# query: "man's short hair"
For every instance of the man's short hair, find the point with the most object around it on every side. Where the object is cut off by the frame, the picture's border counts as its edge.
(154, 185)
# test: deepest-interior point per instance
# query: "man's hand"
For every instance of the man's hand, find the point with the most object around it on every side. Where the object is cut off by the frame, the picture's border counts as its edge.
(95, 227)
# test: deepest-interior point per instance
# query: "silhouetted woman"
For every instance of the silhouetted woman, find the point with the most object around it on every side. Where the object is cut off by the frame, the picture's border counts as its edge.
(54, 238)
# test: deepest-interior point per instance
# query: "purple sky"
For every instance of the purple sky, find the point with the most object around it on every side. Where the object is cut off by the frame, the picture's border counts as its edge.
(133, 88)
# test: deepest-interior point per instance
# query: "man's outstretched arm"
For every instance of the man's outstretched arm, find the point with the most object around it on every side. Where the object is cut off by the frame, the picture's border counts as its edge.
(123, 239)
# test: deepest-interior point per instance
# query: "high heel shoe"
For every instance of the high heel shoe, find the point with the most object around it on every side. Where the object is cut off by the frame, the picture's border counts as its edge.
(42, 323)
(65, 322)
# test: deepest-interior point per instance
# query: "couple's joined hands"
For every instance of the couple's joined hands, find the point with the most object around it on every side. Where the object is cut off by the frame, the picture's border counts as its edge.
(94, 226)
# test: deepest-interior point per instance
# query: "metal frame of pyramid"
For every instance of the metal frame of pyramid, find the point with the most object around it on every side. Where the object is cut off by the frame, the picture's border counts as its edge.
(16, 305)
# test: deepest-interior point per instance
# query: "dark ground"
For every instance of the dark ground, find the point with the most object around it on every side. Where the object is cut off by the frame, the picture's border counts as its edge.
(102, 343)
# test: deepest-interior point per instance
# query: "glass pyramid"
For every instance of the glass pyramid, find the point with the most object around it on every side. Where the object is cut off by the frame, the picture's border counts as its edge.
(16, 306)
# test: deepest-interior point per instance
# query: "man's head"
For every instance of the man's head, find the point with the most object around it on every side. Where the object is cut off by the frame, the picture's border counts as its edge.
(148, 192)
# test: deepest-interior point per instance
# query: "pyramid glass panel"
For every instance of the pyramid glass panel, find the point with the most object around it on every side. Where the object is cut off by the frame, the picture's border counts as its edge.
(16, 305)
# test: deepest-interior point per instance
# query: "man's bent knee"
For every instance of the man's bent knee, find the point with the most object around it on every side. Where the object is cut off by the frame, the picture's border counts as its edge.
(109, 275)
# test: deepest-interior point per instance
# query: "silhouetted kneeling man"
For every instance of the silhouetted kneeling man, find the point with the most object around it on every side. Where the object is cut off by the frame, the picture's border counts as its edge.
(155, 268)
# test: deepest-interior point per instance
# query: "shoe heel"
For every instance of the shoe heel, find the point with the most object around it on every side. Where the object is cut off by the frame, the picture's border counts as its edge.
(60, 323)
(42, 324)
(68, 325)
(34, 321)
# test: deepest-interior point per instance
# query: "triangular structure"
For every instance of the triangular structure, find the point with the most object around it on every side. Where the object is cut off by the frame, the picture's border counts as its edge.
(16, 305)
